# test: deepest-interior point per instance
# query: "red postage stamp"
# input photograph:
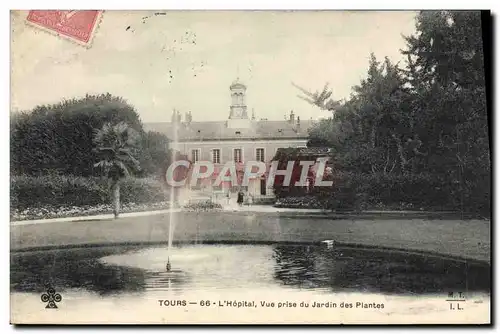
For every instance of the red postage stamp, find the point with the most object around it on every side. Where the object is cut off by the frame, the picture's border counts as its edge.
(78, 25)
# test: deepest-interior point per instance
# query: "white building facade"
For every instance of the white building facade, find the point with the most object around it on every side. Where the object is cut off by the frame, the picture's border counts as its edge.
(238, 139)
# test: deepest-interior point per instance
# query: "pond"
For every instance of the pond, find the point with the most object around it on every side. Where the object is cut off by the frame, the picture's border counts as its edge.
(89, 277)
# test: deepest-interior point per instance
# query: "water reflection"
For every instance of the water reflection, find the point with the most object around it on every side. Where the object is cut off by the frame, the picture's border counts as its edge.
(73, 269)
(116, 270)
(344, 269)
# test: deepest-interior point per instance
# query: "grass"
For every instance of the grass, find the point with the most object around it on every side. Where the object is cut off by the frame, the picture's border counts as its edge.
(454, 237)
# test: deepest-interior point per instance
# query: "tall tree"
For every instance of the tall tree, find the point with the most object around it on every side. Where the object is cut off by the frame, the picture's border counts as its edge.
(369, 133)
(429, 117)
(446, 75)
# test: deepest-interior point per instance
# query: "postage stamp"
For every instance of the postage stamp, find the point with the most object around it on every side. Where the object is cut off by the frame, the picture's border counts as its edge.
(77, 25)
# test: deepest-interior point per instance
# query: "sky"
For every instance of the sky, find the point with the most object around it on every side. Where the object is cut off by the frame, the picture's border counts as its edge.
(187, 60)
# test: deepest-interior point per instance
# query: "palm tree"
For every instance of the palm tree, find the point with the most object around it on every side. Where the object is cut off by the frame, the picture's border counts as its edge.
(116, 146)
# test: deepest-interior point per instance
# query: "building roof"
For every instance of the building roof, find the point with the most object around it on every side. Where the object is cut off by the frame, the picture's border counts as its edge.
(237, 84)
(218, 130)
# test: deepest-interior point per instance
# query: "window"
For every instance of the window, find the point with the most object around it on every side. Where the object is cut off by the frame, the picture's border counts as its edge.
(195, 155)
(259, 154)
(216, 156)
(237, 155)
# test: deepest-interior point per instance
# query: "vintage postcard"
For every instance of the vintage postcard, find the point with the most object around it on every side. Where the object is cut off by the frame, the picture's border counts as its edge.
(250, 167)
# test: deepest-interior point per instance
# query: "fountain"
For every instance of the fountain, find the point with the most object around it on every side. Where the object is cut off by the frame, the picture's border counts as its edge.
(172, 192)
(169, 266)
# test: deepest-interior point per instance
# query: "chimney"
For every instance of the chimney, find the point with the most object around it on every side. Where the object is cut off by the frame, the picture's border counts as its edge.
(179, 117)
(298, 122)
(174, 116)
(292, 117)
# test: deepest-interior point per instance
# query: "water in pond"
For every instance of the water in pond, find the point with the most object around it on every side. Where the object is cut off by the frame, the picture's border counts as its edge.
(91, 278)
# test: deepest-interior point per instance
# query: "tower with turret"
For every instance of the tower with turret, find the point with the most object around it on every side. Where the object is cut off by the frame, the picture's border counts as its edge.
(238, 114)
(238, 108)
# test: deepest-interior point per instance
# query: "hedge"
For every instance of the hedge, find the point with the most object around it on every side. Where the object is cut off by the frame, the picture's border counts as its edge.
(56, 190)
(353, 191)
(59, 137)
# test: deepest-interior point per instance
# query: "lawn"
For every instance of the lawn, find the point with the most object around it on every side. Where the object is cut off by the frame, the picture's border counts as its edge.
(454, 237)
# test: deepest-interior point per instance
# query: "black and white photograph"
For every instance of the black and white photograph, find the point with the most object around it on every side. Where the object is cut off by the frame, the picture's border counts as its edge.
(292, 167)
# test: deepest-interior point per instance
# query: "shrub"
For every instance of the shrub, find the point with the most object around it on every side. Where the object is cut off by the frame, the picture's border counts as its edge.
(354, 191)
(57, 190)
(264, 200)
(301, 202)
(203, 206)
(143, 190)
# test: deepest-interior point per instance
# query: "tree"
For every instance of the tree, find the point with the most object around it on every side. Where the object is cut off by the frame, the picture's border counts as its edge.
(447, 77)
(322, 133)
(369, 133)
(58, 138)
(154, 151)
(425, 122)
(116, 146)
(321, 99)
